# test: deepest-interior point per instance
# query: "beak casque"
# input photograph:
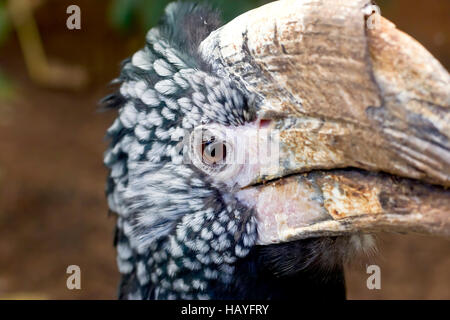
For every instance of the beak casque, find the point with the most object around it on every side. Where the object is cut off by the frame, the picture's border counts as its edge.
(343, 89)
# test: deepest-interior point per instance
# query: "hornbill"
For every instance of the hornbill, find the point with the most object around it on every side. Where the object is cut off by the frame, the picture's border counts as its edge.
(252, 160)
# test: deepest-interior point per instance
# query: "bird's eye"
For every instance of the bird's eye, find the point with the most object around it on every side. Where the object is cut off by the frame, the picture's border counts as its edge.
(210, 149)
(214, 152)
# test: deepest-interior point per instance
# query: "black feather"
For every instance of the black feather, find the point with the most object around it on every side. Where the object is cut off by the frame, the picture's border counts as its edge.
(260, 276)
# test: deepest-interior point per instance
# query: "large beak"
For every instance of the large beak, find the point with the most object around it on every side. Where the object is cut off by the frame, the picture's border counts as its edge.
(349, 96)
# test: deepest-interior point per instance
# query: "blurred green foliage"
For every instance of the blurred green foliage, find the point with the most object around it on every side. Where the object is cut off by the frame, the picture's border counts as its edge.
(6, 87)
(143, 14)
(5, 25)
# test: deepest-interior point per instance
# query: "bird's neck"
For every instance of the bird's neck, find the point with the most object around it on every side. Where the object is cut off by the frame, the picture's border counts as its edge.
(267, 274)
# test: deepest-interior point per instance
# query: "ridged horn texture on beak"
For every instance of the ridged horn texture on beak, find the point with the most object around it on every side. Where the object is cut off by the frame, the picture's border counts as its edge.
(362, 112)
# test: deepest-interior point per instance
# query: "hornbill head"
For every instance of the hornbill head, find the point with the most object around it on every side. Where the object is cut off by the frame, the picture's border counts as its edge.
(251, 160)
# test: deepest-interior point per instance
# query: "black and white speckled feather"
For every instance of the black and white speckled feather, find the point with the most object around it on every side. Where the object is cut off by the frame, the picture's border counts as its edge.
(176, 233)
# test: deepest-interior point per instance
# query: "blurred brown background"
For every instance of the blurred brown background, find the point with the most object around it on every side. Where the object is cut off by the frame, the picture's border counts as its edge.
(52, 207)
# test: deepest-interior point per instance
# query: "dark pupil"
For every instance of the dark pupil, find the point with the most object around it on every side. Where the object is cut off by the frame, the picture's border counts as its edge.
(212, 151)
